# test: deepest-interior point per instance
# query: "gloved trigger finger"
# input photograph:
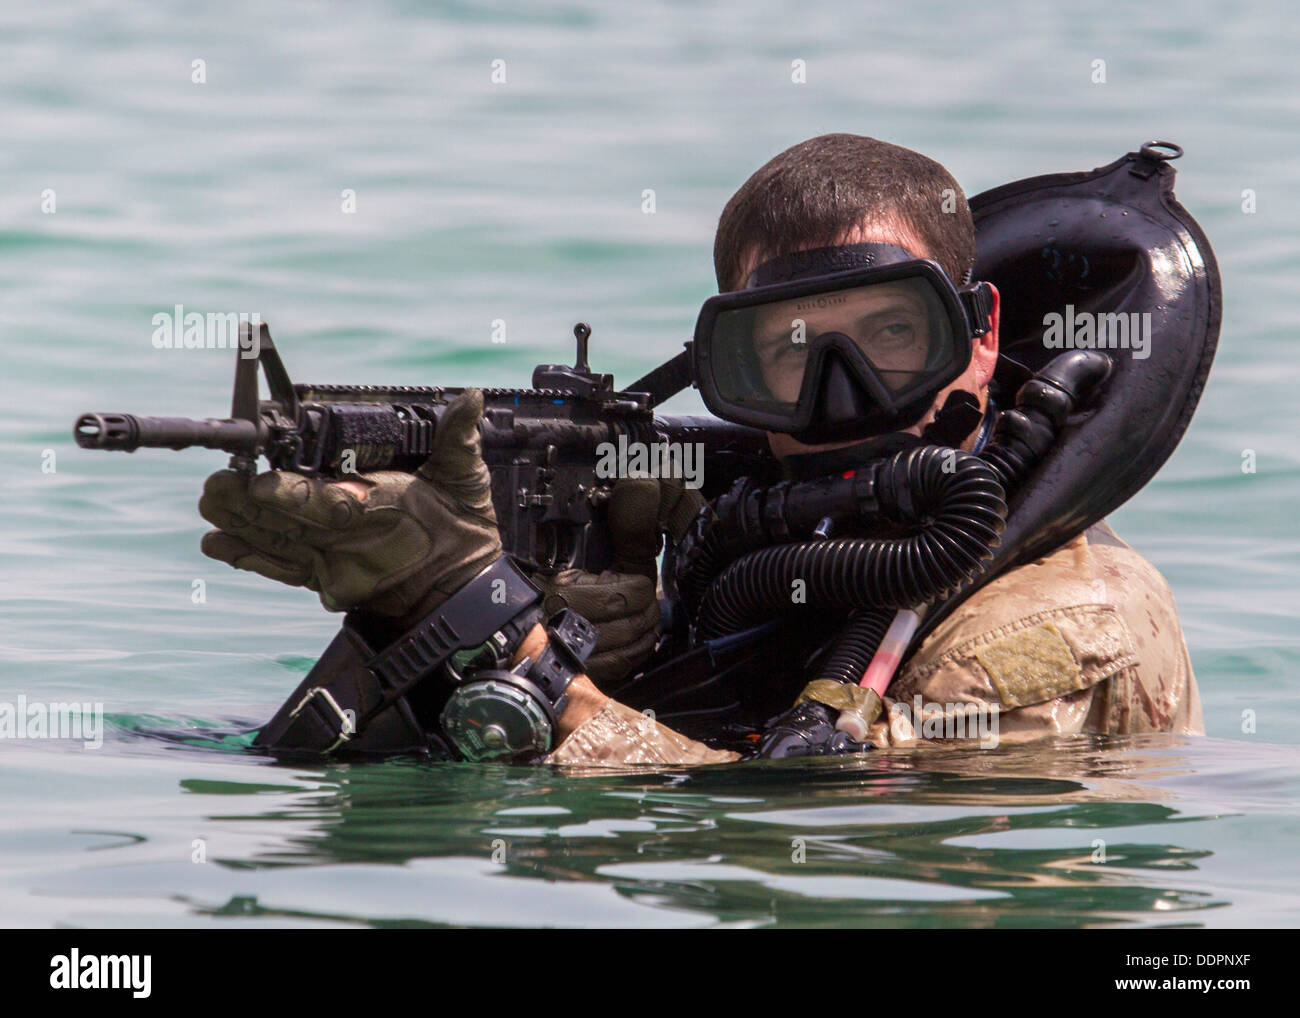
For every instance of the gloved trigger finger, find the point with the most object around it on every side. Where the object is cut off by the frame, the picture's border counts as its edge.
(624, 632)
(605, 597)
(633, 512)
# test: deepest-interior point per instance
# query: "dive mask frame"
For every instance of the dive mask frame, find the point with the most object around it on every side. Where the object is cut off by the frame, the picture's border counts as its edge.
(842, 395)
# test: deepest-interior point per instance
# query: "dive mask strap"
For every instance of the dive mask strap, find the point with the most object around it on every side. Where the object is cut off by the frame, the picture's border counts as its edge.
(825, 261)
(977, 301)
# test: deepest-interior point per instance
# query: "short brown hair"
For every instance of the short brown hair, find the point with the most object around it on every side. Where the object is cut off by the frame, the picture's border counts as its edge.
(814, 193)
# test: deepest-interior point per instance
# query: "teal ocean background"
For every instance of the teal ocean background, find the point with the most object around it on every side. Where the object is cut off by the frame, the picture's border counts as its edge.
(522, 201)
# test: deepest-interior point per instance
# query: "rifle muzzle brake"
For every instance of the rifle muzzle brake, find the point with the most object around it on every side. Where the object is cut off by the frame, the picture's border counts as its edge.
(127, 432)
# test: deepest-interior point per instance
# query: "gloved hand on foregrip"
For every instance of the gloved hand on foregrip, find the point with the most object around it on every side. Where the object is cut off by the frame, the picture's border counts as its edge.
(411, 542)
(622, 601)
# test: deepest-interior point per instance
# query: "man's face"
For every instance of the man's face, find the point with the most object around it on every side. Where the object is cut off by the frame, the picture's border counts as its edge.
(887, 322)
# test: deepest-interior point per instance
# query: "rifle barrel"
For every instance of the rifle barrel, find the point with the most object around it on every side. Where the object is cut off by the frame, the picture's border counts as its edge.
(127, 432)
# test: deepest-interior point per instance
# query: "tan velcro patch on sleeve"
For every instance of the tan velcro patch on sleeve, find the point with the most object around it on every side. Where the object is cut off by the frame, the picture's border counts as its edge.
(1031, 666)
(951, 666)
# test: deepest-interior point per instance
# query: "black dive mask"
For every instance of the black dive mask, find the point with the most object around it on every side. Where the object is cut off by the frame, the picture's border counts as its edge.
(837, 343)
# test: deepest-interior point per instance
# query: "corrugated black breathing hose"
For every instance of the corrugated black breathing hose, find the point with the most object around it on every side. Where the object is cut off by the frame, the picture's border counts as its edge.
(1020, 439)
(856, 645)
(955, 494)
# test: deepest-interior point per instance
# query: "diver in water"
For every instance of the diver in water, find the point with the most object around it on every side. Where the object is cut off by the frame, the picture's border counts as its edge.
(848, 327)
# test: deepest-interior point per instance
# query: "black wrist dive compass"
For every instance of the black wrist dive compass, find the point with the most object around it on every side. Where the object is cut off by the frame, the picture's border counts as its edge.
(500, 714)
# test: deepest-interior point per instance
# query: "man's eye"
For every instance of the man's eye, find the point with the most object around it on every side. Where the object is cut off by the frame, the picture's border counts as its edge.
(782, 349)
(894, 334)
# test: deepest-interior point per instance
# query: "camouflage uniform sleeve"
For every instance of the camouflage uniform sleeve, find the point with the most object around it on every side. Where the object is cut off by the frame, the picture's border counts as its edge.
(617, 734)
(1084, 640)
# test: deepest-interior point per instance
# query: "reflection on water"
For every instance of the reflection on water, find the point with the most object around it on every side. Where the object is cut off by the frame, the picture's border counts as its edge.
(1062, 832)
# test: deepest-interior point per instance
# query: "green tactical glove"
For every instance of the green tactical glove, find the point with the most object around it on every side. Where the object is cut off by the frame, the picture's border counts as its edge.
(412, 542)
(622, 601)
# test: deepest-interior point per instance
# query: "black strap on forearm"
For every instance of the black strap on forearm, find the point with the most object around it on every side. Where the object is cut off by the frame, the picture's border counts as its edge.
(466, 619)
(570, 639)
(352, 685)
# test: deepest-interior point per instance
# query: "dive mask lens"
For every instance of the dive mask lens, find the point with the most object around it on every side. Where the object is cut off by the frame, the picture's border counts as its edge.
(839, 356)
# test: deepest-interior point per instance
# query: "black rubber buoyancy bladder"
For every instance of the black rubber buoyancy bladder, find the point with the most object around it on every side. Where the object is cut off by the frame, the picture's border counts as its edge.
(1110, 241)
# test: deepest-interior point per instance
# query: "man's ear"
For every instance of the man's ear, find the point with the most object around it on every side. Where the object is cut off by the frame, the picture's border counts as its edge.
(984, 349)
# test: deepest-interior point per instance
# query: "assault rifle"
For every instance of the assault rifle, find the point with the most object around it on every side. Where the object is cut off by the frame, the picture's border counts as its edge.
(542, 445)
